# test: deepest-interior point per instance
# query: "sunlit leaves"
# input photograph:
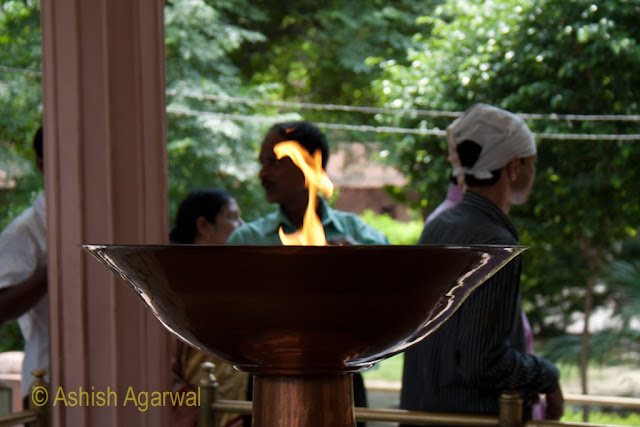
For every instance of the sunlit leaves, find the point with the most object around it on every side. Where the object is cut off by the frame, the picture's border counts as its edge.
(207, 150)
(20, 102)
(538, 56)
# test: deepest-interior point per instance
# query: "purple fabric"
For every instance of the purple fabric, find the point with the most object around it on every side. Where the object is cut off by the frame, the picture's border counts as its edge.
(538, 410)
(528, 334)
(454, 195)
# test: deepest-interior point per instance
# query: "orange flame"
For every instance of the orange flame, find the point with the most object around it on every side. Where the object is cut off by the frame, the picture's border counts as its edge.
(315, 179)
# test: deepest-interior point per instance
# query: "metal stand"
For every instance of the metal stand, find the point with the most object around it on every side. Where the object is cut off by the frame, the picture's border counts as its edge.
(510, 409)
(308, 401)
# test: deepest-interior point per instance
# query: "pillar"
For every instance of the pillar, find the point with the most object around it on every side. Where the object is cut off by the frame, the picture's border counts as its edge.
(105, 181)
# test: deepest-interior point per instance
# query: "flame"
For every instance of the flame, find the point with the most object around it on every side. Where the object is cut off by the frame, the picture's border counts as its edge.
(315, 179)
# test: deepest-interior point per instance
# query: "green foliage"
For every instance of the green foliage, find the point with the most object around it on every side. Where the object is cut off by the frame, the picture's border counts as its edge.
(207, 150)
(326, 51)
(20, 103)
(389, 369)
(199, 157)
(266, 50)
(270, 50)
(608, 418)
(623, 278)
(11, 337)
(534, 56)
(583, 199)
(20, 99)
(399, 233)
(611, 346)
(20, 110)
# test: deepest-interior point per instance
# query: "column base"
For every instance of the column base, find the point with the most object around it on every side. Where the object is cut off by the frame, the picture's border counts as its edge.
(303, 401)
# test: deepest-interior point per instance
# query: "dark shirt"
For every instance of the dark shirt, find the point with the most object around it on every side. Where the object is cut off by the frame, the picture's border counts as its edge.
(480, 351)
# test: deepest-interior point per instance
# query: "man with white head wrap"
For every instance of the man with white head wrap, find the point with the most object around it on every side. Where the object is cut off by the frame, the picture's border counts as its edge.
(465, 365)
(500, 134)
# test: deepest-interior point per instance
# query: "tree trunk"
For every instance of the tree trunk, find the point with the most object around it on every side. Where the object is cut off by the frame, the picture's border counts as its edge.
(584, 350)
(593, 257)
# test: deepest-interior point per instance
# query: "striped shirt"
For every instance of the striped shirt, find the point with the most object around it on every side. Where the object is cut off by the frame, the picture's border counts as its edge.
(480, 351)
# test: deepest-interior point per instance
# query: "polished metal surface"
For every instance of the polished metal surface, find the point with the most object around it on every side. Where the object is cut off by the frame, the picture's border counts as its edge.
(303, 317)
(302, 310)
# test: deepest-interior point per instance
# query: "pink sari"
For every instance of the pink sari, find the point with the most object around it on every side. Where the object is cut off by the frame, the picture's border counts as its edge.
(538, 410)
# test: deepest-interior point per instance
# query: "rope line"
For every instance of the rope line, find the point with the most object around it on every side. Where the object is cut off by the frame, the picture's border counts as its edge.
(21, 71)
(368, 110)
(384, 129)
(416, 112)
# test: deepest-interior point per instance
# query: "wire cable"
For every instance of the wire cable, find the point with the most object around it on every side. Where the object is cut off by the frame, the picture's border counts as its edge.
(368, 110)
(384, 129)
(415, 112)
(21, 71)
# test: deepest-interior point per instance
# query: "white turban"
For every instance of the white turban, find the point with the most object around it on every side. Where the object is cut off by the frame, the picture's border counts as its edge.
(501, 134)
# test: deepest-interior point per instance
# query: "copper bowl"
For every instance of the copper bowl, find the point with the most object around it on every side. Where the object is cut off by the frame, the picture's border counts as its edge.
(302, 310)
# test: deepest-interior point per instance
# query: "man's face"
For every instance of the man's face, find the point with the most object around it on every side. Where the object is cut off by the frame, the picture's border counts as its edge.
(281, 179)
(521, 187)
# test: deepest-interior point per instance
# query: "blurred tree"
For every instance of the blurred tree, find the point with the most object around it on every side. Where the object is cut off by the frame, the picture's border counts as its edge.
(20, 103)
(322, 52)
(207, 149)
(20, 111)
(294, 51)
(537, 56)
(622, 275)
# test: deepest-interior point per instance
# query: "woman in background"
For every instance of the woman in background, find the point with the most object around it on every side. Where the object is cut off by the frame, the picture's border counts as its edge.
(206, 217)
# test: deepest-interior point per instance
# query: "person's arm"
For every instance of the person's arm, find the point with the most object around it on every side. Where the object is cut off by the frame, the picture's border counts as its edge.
(17, 299)
(555, 404)
(486, 354)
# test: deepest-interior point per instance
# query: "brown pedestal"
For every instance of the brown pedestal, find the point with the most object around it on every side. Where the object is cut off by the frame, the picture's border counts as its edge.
(303, 401)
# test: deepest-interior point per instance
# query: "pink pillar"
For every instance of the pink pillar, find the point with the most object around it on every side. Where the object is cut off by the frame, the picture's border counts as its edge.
(106, 179)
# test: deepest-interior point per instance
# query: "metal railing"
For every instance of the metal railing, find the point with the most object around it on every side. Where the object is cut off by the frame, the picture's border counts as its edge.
(606, 401)
(569, 398)
(510, 414)
(509, 403)
(510, 406)
(408, 417)
(36, 416)
(22, 417)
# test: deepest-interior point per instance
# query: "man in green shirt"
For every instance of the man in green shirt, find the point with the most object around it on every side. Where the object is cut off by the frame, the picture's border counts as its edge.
(284, 184)
(337, 226)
